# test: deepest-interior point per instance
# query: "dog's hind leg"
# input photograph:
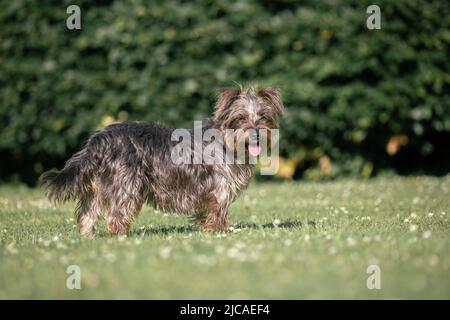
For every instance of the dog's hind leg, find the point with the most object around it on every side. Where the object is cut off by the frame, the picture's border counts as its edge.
(125, 202)
(126, 190)
(122, 214)
(88, 212)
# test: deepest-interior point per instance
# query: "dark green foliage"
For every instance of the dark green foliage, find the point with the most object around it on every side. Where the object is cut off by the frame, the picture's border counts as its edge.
(347, 89)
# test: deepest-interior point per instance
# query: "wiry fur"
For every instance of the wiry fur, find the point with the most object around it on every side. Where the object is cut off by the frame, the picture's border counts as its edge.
(125, 165)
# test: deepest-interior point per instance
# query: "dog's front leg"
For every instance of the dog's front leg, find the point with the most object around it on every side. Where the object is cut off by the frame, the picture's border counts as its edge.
(214, 215)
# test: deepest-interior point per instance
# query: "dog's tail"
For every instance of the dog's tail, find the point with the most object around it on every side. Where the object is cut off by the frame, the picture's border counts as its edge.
(71, 182)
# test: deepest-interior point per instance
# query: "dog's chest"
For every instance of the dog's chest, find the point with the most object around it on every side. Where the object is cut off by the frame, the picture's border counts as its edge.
(230, 180)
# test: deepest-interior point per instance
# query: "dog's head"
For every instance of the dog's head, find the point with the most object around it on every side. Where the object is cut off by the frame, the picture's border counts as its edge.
(249, 112)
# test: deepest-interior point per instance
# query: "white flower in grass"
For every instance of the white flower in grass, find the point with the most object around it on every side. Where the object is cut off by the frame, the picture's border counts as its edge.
(413, 215)
(426, 234)
(430, 214)
(276, 222)
(351, 242)
(61, 246)
(11, 248)
(413, 228)
(307, 237)
(164, 252)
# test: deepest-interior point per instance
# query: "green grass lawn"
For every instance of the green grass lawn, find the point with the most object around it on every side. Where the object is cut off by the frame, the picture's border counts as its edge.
(301, 240)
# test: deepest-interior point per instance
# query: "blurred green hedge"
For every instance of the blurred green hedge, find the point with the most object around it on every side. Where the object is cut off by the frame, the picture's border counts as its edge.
(348, 90)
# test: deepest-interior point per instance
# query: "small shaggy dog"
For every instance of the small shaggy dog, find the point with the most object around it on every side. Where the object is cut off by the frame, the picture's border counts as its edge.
(125, 165)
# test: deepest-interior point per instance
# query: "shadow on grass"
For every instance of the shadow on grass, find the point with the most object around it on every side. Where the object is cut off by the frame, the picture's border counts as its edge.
(165, 230)
(144, 231)
(287, 224)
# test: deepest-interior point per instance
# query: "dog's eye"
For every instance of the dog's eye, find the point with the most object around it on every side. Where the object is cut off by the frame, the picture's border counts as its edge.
(238, 121)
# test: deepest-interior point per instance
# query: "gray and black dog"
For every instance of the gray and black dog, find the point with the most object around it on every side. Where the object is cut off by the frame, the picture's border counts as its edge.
(125, 165)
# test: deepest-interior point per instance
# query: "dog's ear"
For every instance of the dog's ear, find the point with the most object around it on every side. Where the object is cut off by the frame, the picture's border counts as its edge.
(273, 97)
(225, 98)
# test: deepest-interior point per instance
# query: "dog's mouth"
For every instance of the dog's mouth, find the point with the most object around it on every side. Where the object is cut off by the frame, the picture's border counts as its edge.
(254, 149)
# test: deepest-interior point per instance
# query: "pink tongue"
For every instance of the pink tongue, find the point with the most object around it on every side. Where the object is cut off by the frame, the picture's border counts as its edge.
(254, 150)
